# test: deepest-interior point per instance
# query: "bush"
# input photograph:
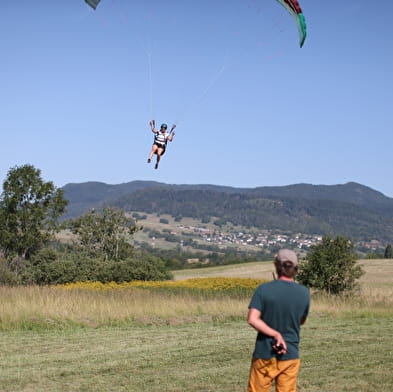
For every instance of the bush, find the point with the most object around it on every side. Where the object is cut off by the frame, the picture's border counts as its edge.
(374, 255)
(137, 269)
(331, 266)
(219, 222)
(7, 276)
(138, 216)
(53, 267)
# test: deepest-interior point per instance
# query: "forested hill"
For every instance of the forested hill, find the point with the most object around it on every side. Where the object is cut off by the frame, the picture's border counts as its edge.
(350, 192)
(84, 196)
(350, 209)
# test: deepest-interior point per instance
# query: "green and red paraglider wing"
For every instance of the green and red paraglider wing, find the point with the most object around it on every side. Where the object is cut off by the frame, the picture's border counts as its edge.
(294, 9)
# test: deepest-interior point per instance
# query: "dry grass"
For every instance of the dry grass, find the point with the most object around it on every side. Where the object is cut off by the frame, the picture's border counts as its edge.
(257, 270)
(374, 296)
(379, 272)
(31, 307)
(43, 307)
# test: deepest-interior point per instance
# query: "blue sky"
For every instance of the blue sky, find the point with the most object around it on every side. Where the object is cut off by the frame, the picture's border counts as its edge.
(78, 88)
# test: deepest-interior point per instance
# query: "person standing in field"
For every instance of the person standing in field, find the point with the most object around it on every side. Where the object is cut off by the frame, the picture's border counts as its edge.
(277, 310)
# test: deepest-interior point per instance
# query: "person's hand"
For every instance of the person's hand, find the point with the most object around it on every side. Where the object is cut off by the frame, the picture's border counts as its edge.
(280, 345)
(173, 126)
(152, 123)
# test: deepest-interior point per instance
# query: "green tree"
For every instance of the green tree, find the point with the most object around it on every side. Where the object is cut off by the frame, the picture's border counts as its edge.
(29, 209)
(106, 234)
(388, 252)
(331, 266)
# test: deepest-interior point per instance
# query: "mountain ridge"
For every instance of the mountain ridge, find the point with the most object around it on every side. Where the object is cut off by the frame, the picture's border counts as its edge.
(350, 209)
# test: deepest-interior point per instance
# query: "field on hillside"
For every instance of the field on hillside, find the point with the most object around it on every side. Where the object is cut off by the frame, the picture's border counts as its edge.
(378, 272)
(139, 339)
(257, 270)
(187, 228)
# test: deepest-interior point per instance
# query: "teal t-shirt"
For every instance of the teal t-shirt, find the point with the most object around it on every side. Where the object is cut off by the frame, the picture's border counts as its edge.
(282, 305)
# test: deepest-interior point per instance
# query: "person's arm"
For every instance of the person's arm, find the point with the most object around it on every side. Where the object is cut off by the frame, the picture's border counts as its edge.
(172, 133)
(152, 124)
(254, 319)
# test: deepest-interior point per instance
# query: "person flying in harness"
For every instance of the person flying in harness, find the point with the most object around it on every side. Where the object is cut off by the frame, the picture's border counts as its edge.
(161, 138)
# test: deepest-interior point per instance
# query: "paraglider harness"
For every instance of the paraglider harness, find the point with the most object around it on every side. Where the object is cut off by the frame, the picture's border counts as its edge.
(161, 140)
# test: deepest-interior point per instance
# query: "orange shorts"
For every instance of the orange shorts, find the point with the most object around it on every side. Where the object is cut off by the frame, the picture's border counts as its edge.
(264, 371)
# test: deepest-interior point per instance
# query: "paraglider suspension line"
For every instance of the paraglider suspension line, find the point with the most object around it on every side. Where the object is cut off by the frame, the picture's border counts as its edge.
(150, 84)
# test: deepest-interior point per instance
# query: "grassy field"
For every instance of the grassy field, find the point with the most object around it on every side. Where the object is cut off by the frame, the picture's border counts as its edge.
(257, 270)
(339, 354)
(378, 272)
(141, 340)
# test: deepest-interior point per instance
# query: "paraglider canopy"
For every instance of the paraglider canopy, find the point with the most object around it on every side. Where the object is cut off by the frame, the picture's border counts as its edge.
(93, 3)
(292, 6)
